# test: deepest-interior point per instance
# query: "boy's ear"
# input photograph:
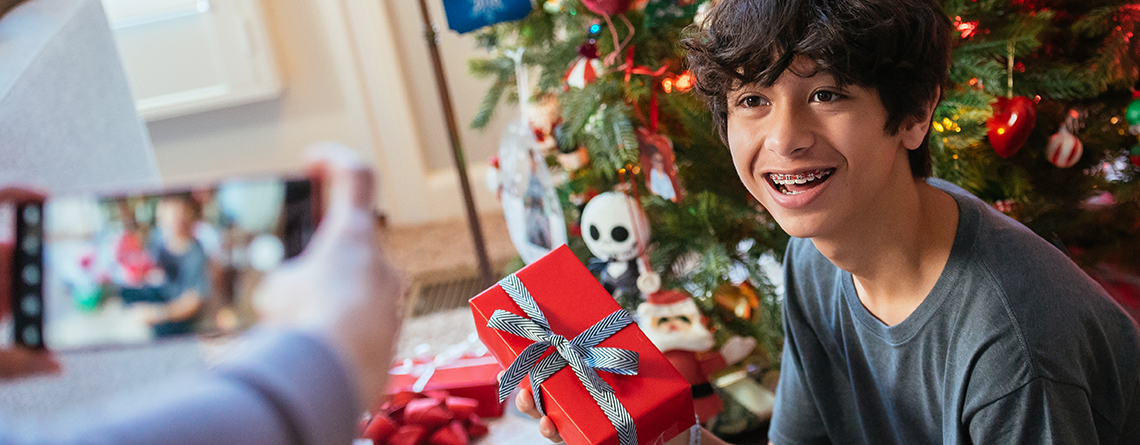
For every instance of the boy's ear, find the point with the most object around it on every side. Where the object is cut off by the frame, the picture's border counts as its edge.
(914, 130)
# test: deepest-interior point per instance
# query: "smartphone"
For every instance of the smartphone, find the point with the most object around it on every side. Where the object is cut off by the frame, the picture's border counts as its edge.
(128, 268)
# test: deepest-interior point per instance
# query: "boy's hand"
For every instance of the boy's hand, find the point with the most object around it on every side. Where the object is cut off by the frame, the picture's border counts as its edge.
(525, 403)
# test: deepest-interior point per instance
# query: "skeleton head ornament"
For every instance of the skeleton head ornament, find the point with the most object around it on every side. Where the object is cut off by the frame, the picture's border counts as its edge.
(611, 223)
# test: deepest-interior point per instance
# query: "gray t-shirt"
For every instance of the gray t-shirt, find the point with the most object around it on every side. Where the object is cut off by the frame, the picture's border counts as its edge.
(1014, 345)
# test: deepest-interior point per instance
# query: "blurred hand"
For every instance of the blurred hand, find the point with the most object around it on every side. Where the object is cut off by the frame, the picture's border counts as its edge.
(16, 361)
(341, 288)
(736, 348)
(149, 314)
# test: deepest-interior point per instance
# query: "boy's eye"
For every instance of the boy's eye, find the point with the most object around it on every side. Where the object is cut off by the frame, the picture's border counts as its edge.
(825, 96)
(751, 101)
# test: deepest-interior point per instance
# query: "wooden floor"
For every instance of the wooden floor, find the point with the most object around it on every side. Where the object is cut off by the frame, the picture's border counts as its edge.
(444, 250)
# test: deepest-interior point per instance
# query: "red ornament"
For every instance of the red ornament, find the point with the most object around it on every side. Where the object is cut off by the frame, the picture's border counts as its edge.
(1011, 124)
(610, 7)
(1064, 149)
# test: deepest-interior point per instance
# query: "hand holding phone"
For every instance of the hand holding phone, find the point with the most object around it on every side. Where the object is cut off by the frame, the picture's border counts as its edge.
(341, 288)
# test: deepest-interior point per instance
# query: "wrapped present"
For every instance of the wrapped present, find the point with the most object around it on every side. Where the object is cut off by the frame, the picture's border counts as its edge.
(431, 418)
(470, 373)
(590, 367)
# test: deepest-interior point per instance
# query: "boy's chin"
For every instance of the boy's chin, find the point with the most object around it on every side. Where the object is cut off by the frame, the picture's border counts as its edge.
(798, 226)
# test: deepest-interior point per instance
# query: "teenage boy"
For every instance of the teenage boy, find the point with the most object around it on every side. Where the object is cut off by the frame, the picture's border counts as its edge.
(914, 313)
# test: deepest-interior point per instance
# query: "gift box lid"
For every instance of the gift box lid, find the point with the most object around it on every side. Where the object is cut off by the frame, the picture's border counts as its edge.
(657, 398)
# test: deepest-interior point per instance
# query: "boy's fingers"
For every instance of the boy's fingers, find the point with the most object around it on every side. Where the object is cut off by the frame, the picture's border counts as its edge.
(525, 403)
(547, 429)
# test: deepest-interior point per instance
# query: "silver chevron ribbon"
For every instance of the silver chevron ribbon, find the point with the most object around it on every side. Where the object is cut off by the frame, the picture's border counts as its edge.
(581, 353)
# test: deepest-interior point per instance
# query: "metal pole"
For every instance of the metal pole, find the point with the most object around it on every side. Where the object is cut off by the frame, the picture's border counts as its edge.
(432, 37)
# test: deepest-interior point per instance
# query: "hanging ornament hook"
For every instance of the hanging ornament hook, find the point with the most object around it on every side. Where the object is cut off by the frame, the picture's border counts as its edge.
(522, 82)
(1009, 69)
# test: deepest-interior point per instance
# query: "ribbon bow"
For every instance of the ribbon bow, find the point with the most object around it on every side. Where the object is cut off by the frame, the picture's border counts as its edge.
(581, 353)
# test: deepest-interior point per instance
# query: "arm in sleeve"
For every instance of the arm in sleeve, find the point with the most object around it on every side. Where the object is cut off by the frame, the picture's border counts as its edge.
(1039, 412)
(278, 388)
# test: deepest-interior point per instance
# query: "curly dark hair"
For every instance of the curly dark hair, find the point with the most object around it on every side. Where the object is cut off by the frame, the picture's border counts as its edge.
(900, 48)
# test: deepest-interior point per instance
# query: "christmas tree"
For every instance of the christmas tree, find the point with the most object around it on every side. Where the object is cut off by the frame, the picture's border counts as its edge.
(1067, 168)
(1040, 120)
(711, 237)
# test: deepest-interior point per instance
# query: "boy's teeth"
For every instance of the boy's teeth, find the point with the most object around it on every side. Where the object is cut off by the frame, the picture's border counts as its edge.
(781, 179)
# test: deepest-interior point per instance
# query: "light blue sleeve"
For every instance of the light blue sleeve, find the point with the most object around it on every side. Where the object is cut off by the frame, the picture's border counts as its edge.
(277, 387)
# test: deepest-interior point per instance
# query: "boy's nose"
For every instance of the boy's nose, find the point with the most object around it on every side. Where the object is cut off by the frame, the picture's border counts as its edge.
(790, 132)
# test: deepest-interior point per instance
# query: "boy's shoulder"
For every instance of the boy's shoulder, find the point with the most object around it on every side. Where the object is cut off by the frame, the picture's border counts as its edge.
(1058, 312)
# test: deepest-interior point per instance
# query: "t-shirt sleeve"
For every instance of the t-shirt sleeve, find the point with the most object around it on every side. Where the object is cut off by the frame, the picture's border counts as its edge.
(1039, 412)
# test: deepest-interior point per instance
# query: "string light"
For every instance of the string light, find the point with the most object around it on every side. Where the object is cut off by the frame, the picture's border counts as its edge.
(968, 29)
(684, 82)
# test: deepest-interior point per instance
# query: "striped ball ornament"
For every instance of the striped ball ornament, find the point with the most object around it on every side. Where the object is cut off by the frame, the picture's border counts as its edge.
(1064, 149)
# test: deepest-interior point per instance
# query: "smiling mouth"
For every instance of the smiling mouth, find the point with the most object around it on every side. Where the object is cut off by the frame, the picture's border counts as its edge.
(794, 184)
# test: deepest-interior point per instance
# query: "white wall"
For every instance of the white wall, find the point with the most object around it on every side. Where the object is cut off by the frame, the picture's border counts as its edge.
(271, 135)
(354, 71)
(466, 92)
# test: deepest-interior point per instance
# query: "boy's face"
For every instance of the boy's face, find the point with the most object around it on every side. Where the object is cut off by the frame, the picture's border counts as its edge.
(815, 155)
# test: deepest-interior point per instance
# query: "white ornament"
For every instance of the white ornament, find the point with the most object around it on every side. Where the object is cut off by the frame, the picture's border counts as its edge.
(530, 204)
(584, 72)
(1064, 149)
(611, 223)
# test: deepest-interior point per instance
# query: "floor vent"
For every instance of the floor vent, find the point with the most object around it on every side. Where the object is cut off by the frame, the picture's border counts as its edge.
(444, 295)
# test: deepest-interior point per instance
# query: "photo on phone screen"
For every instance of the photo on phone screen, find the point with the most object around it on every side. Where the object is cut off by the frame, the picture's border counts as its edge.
(136, 268)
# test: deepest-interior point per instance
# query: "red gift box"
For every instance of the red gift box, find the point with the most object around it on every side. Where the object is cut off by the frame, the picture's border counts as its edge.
(470, 377)
(657, 398)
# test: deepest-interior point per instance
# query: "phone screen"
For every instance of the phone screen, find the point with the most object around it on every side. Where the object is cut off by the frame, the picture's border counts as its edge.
(136, 268)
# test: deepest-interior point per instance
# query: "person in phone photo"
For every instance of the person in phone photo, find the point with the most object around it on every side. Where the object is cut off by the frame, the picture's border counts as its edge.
(174, 289)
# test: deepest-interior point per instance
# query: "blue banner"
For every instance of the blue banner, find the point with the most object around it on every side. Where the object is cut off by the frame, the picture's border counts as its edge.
(469, 15)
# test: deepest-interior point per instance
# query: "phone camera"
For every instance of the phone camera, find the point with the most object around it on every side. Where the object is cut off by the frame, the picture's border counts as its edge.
(31, 335)
(32, 215)
(31, 245)
(30, 305)
(32, 274)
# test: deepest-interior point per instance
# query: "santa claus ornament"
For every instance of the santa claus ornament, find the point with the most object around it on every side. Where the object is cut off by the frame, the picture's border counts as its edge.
(612, 222)
(672, 321)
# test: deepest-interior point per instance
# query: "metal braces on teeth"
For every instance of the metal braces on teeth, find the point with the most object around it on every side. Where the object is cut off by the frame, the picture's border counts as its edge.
(780, 179)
